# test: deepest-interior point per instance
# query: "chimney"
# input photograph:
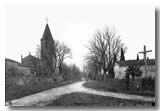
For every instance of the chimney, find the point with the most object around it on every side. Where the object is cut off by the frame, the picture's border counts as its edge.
(29, 53)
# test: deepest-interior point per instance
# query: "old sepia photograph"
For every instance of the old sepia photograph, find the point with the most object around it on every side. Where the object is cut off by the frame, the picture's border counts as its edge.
(80, 56)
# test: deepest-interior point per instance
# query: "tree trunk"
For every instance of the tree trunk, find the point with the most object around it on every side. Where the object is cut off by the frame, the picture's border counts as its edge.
(104, 75)
(60, 68)
(133, 76)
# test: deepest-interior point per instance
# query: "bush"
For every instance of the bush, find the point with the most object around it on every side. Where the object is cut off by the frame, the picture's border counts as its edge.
(148, 83)
(71, 72)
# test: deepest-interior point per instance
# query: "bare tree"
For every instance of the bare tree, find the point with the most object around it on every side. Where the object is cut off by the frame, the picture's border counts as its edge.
(62, 52)
(93, 68)
(38, 51)
(103, 49)
(36, 67)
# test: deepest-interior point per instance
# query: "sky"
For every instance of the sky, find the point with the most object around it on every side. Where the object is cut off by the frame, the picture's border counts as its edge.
(75, 25)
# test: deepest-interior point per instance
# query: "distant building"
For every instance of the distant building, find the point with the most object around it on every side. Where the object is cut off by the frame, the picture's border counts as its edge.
(10, 64)
(16, 72)
(30, 60)
(30, 63)
(121, 66)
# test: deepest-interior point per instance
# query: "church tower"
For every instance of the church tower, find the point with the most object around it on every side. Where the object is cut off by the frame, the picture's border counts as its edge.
(48, 56)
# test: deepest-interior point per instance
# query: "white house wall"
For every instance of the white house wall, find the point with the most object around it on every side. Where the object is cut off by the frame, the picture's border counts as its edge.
(150, 71)
(120, 71)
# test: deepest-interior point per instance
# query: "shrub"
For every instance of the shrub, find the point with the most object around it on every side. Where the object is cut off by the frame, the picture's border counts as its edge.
(148, 83)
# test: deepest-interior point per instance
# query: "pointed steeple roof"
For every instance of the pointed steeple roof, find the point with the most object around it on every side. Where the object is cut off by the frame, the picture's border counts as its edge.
(47, 33)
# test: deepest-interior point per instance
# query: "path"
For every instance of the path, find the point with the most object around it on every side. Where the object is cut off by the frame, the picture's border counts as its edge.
(46, 97)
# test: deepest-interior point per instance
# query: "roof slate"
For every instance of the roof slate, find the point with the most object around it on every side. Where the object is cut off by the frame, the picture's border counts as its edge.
(47, 33)
(136, 62)
(10, 60)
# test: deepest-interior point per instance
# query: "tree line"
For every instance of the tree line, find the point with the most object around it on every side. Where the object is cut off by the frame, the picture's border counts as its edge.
(60, 69)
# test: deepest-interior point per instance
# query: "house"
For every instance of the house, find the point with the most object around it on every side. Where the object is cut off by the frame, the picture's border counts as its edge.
(26, 70)
(31, 63)
(16, 72)
(10, 64)
(121, 66)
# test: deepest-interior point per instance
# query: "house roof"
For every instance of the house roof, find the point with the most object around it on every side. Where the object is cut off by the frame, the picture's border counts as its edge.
(137, 62)
(47, 33)
(19, 64)
(24, 65)
(29, 57)
(10, 60)
(29, 60)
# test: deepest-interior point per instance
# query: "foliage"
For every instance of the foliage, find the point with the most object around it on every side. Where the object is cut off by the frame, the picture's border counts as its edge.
(122, 55)
(115, 57)
(12, 72)
(36, 66)
(133, 70)
(127, 77)
(148, 83)
(9, 75)
(12, 76)
(137, 57)
(70, 72)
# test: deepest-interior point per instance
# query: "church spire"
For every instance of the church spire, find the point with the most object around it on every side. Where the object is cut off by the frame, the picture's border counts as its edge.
(47, 33)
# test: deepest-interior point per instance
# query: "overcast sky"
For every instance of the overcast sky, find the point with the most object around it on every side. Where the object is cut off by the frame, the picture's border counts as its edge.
(75, 26)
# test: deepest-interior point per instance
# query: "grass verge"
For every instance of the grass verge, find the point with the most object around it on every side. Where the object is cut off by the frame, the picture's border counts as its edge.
(83, 99)
(116, 86)
(16, 92)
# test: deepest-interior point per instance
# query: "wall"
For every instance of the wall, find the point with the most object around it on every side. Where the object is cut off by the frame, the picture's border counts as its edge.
(10, 65)
(20, 75)
(25, 70)
(151, 71)
(120, 71)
